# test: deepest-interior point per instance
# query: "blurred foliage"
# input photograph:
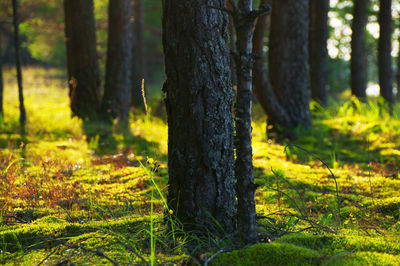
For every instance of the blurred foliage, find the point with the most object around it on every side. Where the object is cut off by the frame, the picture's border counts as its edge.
(43, 36)
(42, 30)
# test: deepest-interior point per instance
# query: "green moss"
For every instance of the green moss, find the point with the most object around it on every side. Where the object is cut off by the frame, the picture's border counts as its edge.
(363, 258)
(350, 242)
(50, 227)
(269, 254)
(316, 242)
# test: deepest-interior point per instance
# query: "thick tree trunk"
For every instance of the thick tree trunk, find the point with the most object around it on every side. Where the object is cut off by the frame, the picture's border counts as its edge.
(118, 84)
(358, 62)
(384, 51)
(22, 117)
(138, 66)
(288, 59)
(262, 88)
(232, 46)
(318, 49)
(83, 69)
(200, 127)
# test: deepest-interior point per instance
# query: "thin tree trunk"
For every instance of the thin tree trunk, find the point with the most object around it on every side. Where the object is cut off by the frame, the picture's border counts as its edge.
(199, 107)
(1, 77)
(83, 69)
(318, 49)
(244, 18)
(262, 88)
(398, 73)
(358, 62)
(139, 54)
(384, 51)
(22, 117)
(118, 84)
(288, 59)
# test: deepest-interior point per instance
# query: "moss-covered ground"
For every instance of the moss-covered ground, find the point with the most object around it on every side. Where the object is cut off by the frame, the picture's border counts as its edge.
(70, 195)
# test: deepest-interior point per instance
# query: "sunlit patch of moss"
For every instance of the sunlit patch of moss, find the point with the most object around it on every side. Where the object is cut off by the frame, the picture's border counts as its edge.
(363, 258)
(353, 241)
(316, 242)
(154, 131)
(269, 254)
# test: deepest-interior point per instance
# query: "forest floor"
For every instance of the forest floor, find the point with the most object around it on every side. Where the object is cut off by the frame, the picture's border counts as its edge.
(68, 199)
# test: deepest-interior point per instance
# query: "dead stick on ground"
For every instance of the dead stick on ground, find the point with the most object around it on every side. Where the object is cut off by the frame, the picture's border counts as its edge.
(97, 251)
(133, 250)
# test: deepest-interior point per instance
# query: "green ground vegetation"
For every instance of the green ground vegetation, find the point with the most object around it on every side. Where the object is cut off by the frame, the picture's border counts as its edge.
(69, 194)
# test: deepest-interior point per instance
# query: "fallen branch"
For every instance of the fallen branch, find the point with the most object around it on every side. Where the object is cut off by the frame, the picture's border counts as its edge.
(129, 247)
(97, 251)
(213, 256)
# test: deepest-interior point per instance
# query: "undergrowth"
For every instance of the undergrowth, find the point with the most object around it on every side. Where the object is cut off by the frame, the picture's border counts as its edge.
(70, 196)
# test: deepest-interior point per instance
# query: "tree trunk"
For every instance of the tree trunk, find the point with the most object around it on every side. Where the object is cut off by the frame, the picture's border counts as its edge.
(232, 46)
(22, 117)
(244, 22)
(318, 49)
(384, 51)
(358, 62)
(244, 157)
(288, 59)
(200, 127)
(118, 84)
(1, 78)
(398, 73)
(262, 88)
(83, 69)
(139, 54)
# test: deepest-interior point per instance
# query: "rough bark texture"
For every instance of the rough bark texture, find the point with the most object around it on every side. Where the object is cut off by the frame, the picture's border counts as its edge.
(318, 49)
(138, 66)
(358, 62)
(22, 112)
(244, 23)
(288, 58)
(200, 126)
(232, 45)
(261, 85)
(384, 51)
(83, 70)
(117, 90)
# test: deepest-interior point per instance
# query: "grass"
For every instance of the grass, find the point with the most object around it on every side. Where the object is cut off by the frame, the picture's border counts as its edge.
(65, 198)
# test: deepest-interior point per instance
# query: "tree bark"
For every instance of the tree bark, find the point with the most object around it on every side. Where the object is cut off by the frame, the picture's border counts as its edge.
(83, 69)
(118, 84)
(200, 127)
(244, 18)
(22, 117)
(384, 51)
(138, 66)
(358, 62)
(398, 73)
(318, 49)
(288, 59)
(1, 77)
(262, 88)
(232, 46)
